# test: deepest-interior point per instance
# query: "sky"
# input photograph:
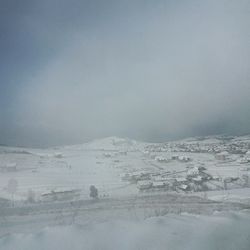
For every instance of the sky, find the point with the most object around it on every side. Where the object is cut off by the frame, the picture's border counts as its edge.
(76, 70)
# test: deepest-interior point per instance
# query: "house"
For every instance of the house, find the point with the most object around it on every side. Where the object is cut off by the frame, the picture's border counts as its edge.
(4, 202)
(11, 167)
(60, 195)
(222, 156)
(244, 160)
(161, 159)
(182, 180)
(144, 185)
(123, 152)
(175, 157)
(58, 155)
(184, 187)
(107, 155)
(136, 176)
(160, 178)
(197, 179)
(184, 158)
(159, 184)
(193, 171)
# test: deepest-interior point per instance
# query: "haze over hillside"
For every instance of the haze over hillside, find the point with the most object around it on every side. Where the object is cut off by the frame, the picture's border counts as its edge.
(147, 70)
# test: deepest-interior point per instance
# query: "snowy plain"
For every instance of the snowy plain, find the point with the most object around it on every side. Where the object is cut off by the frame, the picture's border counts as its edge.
(170, 213)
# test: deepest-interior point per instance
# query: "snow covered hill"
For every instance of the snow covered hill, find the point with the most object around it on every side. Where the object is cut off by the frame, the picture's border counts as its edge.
(114, 144)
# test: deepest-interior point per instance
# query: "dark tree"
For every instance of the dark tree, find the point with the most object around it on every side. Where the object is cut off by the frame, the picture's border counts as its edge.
(93, 192)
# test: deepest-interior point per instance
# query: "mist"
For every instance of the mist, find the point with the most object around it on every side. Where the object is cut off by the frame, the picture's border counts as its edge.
(154, 233)
(81, 70)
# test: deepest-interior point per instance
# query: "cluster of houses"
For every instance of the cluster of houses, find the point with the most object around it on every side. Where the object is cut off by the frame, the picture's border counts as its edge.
(225, 155)
(194, 179)
(181, 158)
(214, 147)
(184, 147)
(245, 158)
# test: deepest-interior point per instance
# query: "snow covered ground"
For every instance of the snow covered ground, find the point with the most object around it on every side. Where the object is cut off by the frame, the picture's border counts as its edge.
(136, 182)
(104, 162)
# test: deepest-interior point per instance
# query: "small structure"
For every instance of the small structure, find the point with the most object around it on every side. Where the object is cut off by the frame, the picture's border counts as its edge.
(245, 179)
(184, 187)
(136, 176)
(123, 152)
(4, 202)
(161, 159)
(193, 171)
(160, 178)
(107, 155)
(181, 180)
(222, 156)
(175, 157)
(184, 158)
(198, 179)
(60, 195)
(159, 184)
(144, 185)
(58, 155)
(244, 160)
(245, 168)
(201, 168)
(10, 167)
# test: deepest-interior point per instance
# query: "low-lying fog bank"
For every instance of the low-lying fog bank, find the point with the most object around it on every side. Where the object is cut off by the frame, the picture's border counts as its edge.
(174, 232)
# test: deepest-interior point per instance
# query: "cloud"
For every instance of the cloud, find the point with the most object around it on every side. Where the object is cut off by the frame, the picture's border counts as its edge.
(142, 70)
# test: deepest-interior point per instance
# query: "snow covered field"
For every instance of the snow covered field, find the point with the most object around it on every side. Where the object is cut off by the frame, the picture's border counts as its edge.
(117, 166)
(151, 195)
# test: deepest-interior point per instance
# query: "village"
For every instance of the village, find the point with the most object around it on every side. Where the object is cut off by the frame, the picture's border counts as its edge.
(118, 167)
(195, 175)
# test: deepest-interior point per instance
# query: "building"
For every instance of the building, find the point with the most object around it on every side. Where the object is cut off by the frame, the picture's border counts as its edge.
(60, 195)
(11, 167)
(222, 156)
(4, 202)
(144, 185)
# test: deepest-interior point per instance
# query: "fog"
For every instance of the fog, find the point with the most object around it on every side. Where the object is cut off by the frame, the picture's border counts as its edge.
(170, 232)
(79, 70)
(86, 86)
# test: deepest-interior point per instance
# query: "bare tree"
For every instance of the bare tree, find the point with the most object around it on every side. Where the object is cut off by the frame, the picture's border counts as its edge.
(12, 188)
(31, 196)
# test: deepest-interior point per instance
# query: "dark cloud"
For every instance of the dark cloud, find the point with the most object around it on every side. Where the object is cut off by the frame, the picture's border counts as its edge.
(76, 70)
